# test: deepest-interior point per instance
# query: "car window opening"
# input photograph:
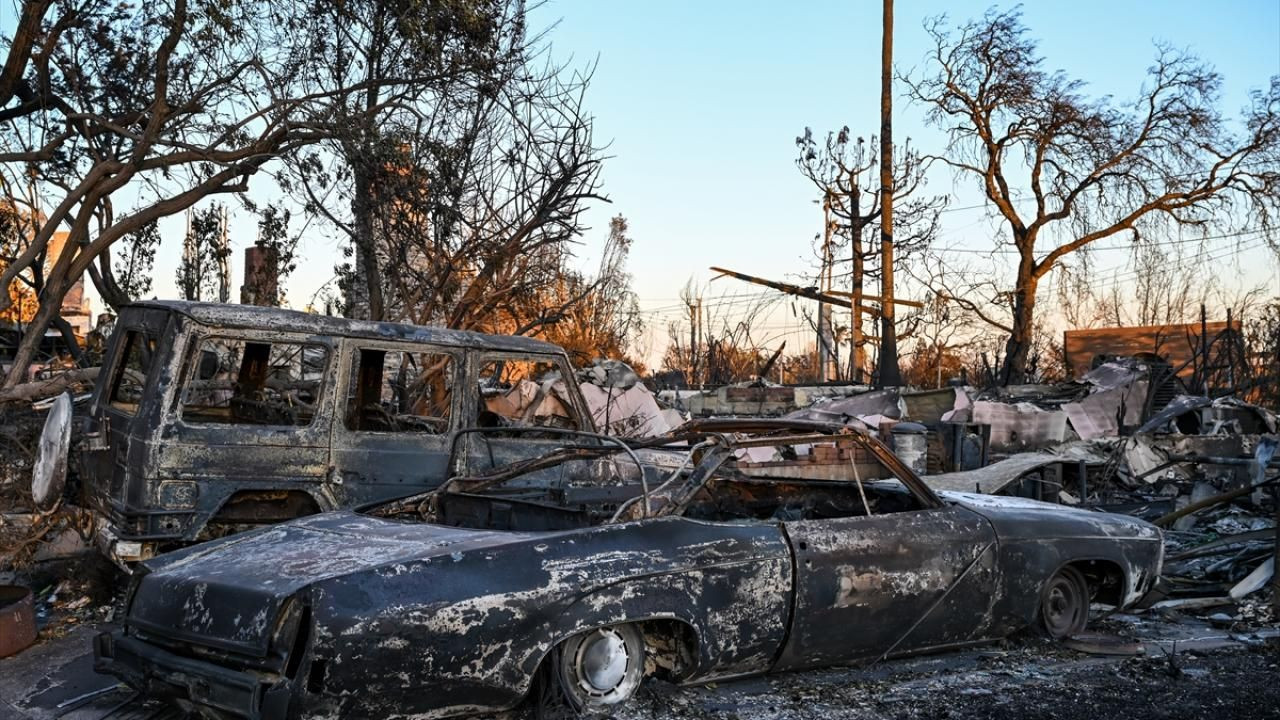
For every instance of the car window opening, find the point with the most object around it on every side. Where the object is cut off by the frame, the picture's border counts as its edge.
(579, 486)
(524, 392)
(242, 382)
(131, 374)
(397, 391)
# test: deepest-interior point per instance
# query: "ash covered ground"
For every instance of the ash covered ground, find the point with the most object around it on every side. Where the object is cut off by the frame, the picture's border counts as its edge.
(1133, 667)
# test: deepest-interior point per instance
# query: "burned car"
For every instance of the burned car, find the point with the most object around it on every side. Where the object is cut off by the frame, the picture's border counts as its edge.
(208, 419)
(565, 579)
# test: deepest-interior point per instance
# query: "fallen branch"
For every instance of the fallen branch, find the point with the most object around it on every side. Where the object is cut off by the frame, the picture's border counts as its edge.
(29, 392)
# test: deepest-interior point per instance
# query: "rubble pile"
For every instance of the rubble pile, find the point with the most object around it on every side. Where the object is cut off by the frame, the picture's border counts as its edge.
(25, 534)
(1124, 438)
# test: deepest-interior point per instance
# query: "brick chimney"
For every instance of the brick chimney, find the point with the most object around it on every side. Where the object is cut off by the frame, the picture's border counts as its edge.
(261, 269)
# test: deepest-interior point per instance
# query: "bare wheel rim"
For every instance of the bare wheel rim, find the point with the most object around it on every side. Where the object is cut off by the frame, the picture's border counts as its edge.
(1064, 604)
(603, 666)
(602, 662)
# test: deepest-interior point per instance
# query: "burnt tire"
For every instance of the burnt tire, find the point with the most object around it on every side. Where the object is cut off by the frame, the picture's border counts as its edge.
(590, 672)
(1064, 604)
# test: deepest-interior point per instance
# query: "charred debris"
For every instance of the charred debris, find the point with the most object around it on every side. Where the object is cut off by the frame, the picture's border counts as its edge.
(1128, 436)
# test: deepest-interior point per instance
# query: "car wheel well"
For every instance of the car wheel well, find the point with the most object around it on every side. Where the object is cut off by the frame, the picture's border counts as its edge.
(1106, 580)
(671, 648)
(254, 507)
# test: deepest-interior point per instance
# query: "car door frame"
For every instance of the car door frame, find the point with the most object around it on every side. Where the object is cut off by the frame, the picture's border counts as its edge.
(868, 587)
(351, 477)
(279, 457)
(122, 475)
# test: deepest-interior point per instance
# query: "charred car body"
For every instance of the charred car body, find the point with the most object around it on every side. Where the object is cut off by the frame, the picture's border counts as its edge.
(557, 580)
(209, 418)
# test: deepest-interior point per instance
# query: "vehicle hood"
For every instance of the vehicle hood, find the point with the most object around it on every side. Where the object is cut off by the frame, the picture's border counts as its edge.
(1019, 518)
(228, 594)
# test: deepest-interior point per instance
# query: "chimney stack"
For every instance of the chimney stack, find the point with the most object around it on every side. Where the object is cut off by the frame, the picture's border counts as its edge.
(261, 275)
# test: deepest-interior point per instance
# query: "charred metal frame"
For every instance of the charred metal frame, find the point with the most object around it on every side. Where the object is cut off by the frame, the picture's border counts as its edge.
(347, 614)
(156, 480)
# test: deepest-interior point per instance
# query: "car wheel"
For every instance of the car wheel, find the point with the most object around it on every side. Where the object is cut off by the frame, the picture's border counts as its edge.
(1064, 604)
(591, 671)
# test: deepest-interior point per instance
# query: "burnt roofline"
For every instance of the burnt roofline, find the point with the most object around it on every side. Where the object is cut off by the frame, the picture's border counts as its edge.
(254, 316)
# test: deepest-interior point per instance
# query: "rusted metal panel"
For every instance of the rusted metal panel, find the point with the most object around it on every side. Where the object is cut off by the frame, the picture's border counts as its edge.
(1176, 343)
(880, 579)
(17, 619)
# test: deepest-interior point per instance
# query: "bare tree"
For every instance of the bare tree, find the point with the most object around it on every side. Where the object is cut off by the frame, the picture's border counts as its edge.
(599, 316)
(721, 341)
(845, 170)
(945, 328)
(390, 143)
(203, 253)
(160, 103)
(1262, 350)
(1161, 284)
(1090, 169)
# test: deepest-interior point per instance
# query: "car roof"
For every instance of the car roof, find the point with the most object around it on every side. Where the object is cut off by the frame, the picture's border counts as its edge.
(257, 317)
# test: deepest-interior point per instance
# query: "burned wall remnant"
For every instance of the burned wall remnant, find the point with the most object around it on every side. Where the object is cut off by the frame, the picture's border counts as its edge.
(1175, 343)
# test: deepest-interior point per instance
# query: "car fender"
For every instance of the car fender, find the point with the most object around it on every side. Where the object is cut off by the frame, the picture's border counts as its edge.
(725, 605)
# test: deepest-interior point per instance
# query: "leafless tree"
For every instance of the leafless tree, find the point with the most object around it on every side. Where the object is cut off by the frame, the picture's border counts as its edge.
(845, 171)
(1162, 284)
(204, 251)
(945, 327)
(1262, 351)
(721, 341)
(1089, 169)
(127, 113)
(599, 315)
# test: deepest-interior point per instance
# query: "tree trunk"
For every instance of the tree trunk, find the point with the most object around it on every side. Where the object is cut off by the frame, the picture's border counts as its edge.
(858, 351)
(368, 277)
(45, 313)
(1018, 348)
(69, 337)
(41, 389)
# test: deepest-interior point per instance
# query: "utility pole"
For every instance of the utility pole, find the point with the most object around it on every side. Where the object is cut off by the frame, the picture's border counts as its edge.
(889, 375)
(693, 346)
(857, 353)
(224, 256)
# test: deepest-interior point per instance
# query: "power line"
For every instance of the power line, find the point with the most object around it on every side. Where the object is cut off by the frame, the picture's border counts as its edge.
(1200, 257)
(1164, 243)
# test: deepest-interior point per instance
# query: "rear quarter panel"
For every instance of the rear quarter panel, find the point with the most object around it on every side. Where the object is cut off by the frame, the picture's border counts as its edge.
(1037, 539)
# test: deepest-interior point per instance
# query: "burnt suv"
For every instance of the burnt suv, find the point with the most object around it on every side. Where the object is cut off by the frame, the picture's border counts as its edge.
(210, 418)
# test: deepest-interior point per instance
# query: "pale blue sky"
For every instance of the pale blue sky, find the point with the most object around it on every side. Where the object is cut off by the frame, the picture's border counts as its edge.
(702, 101)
